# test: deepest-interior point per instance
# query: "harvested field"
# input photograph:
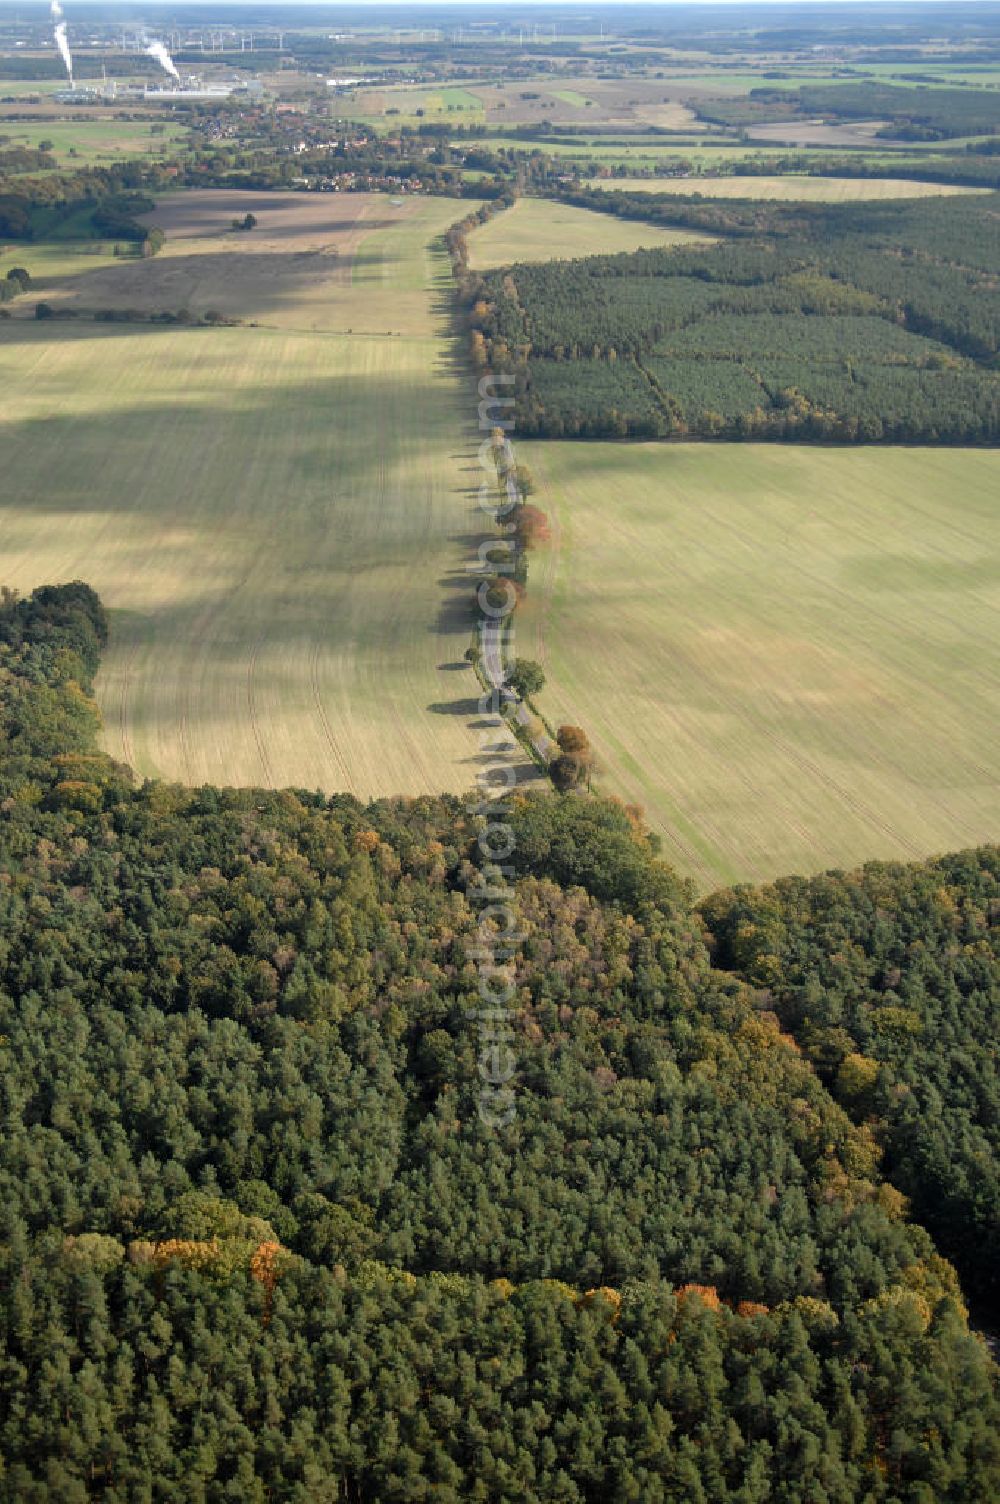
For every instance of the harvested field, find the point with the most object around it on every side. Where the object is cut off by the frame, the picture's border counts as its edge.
(799, 188)
(294, 221)
(568, 101)
(789, 656)
(276, 517)
(294, 271)
(817, 133)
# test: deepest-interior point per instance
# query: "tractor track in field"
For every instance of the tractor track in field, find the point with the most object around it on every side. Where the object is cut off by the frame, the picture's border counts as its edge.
(238, 601)
(815, 772)
(185, 744)
(324, 719)
(853, 802)
(806, 764)
(252, 708)
(125, 734)
(846, 764)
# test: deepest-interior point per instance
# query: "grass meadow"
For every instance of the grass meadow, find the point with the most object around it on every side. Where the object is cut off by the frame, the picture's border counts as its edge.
(538, 229)
(275, 515)
(80, 143)
(788, 655)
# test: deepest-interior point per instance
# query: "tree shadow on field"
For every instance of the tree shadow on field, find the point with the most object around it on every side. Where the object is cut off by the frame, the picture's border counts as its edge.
(242, 283)
(196, 213)
(239, 278)
(238, 510)
(455, 616)
(264, 469)
(468, 707)
(471, 541)
(37, 332)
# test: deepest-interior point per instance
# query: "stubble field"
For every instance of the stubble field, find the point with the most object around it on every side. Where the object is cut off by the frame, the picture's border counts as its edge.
(795, 188)
(789, 656)
(273, 514)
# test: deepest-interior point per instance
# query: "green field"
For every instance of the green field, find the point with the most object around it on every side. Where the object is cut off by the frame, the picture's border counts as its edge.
(541, 230)
(17, 88)
(610, 144)
(647, 153)
(935, 75)
(461, 99)
(573, 97)
(275, 516)
(788, 656)
(814, 189)
(51, 262)
(408, 104)
(88, 142)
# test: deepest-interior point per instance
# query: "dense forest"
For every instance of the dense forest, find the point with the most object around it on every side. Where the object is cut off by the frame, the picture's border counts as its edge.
(977, 166)
(887, 978)
(258, 1243)
(908, 113)
(857, 323)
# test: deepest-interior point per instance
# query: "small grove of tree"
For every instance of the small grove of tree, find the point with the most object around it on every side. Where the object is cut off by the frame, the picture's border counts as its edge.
(15, 282)
(521, 474)
(575, 764)
(526, 677)
(498, 449)
(153, 242)
(248, 222)
(525, 480)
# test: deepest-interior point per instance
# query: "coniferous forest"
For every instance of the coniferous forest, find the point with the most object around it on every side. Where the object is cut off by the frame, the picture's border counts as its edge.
(258, 1245)
(855, 323)
(905, 113)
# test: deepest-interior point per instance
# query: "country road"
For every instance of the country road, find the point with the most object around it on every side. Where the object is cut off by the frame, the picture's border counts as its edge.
(491, 640)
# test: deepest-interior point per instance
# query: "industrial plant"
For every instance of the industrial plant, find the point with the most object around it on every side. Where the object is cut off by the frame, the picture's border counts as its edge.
(182, 90)
(187, 90)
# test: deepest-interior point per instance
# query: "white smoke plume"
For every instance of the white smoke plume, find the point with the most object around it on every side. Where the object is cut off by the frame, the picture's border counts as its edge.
(63, 45)
(56, 10)
(162, 56)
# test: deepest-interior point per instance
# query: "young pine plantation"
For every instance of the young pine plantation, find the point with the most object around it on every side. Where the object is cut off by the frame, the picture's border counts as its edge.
(848, 323)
